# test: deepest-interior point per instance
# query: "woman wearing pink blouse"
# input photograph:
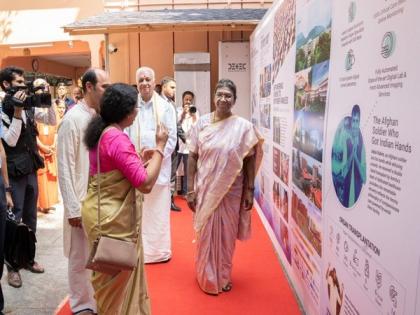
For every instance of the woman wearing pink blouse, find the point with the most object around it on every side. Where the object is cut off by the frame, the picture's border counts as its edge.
(123, 177)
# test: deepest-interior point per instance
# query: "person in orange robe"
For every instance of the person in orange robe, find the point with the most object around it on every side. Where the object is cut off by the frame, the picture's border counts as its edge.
(47, 176)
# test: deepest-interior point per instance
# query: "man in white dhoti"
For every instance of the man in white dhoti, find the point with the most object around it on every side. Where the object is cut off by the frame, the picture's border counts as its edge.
(153, 109)
(73, 175)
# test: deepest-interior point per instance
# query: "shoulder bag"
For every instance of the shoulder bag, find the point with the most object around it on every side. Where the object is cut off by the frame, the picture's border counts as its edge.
(111, 255)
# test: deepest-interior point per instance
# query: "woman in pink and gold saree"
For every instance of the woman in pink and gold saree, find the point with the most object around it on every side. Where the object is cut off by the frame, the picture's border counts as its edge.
(122, 176)
(225, 152)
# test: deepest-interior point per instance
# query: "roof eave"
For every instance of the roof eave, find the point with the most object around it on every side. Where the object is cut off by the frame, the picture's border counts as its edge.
(189, 26)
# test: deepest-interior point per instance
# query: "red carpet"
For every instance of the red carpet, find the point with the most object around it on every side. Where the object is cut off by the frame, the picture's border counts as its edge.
(259, 285)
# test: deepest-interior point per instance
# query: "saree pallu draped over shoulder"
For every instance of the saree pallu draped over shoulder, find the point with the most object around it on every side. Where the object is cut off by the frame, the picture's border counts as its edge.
(125, 292)
(220, 218)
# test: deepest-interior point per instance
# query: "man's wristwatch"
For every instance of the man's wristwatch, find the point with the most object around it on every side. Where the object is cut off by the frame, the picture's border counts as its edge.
(8, 189)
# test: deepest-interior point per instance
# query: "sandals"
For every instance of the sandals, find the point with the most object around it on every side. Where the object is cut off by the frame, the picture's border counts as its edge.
(14, 279)
(227, 287)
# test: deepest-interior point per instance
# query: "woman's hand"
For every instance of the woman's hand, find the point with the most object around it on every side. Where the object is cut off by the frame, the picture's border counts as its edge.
(75, 222)
(49, 151)
(248, 199)
(46, 149)
(192, 200)
(161, 136)
(146, 154)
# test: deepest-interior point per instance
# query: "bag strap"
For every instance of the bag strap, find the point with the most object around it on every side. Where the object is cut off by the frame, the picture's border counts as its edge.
(133, 213)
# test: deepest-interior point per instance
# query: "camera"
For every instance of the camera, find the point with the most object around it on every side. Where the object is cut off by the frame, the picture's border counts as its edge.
(35, 96)
(112, 49)
(192, 109)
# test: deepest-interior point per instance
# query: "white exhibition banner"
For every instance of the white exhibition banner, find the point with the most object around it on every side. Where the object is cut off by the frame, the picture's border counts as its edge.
(234, 65)
(333, 85)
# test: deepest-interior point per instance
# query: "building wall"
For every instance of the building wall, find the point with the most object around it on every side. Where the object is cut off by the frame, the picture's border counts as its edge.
(32, 29)
(45, 66)
(154, 49)
(157, 49)
(23, 57)
(85, 8)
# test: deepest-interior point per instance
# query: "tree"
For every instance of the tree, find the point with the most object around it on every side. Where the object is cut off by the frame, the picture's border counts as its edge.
(324, 47)
(300, 60)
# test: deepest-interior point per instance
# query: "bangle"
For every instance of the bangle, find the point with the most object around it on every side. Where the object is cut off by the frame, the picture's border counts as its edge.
(8, 189)
(160, 152)
(19, 118)
(250, 188)
(190, 192)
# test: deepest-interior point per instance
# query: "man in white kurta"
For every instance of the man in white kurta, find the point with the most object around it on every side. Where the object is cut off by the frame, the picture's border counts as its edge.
(73, 175)
(153, 110)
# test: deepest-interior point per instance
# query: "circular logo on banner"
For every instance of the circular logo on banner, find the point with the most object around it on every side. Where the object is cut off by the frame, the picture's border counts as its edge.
(348, 159)
(350, 60)
(388, 44)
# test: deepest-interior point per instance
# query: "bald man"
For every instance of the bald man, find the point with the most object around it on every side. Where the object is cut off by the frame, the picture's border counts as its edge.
(73, 175)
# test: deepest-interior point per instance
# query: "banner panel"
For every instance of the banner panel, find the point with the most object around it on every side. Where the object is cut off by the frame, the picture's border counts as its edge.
(371, 162)
(333, 87)
(234, 65)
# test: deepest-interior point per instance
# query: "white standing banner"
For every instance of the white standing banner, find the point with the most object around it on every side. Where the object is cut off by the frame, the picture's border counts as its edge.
(234, 65)
(333, 85)
(372, 233)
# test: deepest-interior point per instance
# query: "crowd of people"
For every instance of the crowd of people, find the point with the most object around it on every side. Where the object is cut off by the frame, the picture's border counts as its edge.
(116, 152)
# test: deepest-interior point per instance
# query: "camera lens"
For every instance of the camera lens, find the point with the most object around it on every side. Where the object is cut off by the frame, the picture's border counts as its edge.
(192, 109)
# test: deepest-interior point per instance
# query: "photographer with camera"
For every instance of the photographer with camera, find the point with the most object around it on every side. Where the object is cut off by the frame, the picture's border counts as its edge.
(21, 110)
(187, 119)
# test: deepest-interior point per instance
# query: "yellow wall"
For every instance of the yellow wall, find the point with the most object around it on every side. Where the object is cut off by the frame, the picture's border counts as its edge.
(86, 8)
(157, 49)
(23, 58)
(134, 49)
(36, 31)
(45, 66)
